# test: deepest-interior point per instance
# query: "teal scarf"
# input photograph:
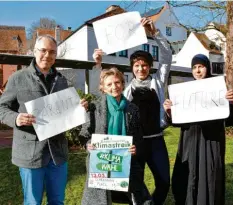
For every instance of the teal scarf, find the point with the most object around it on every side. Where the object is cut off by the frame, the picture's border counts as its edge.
(116, 117)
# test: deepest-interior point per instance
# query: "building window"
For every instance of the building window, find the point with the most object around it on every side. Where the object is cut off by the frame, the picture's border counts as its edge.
(112, 54)
(126, 78)
(155, 53)
(217, 68)
(123, 53)
(146, 47)
(168, 31)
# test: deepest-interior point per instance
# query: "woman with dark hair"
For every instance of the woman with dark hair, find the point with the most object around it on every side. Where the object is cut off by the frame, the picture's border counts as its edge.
(199, 172)
(147, 92)
(114, 114)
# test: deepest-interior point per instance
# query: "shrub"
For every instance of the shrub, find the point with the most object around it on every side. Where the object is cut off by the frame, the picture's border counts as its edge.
(4, 127)
(229, 131)
(89, 97)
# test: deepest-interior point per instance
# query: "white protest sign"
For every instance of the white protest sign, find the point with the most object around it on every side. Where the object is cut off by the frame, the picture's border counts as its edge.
(119, 32)
(199, 100)
(109, 164)
(56, 113)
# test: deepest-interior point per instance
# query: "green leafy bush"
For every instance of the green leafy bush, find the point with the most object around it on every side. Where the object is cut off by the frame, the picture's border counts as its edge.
(4, 127)
(229, 131)
(89, 97)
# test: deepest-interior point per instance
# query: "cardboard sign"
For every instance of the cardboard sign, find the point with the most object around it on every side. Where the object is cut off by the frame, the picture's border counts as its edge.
(109, 166)
(119, 32)
(199, 100)
(56, 113)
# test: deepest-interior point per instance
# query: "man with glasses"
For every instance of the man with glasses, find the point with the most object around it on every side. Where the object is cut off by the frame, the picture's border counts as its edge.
(41, 163)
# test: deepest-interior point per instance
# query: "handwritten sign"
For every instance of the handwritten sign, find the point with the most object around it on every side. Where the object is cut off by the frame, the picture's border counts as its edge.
(119, 32)
(56, 113)
(199, 100)
(109, 166)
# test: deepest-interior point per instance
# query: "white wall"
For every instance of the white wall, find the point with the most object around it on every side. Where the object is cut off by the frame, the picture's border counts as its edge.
(191, 47)
(167, 18)
(75, 46)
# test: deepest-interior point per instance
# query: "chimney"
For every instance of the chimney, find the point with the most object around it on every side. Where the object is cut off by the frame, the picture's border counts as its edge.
(58, 34)
(69, 28)
(112, 7)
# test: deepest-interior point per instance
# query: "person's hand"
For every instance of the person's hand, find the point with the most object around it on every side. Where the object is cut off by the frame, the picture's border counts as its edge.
(84, 103)
(148, 24)
(167, 106)
(132, 150)
(97, 56)
(90, 147)
(229, 96)
(25, 119)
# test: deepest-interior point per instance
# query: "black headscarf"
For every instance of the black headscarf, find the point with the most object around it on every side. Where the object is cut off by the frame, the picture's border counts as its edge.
(203, 60)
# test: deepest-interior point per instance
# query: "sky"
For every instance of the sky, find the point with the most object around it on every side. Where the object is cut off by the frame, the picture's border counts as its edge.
(69, 14)
(74, 13)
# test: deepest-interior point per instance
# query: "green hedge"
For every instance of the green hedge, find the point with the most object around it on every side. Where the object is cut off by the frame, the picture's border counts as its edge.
(4, 127)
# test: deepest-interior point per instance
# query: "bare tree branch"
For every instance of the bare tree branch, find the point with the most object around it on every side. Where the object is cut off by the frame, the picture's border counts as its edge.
(43, 22)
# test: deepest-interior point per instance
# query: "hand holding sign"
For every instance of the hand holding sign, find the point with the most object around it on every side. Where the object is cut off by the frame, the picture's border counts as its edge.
(97, 56)
(25, 119)
(148, 24)
(167, 106)
(229, 96)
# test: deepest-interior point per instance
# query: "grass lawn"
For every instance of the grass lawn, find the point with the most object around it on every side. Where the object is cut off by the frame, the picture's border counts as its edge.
(10, 186)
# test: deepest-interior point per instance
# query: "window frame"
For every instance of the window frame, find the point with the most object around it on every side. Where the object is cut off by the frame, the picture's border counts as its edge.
(155, 57)
(122, 54)
(146, 47)
(168, 31)
(214, 68)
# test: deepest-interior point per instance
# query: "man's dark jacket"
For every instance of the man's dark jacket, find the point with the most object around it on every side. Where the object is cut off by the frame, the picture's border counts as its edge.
(23, 86)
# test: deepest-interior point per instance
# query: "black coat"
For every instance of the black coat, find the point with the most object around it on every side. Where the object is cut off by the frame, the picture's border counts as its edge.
(199, 171)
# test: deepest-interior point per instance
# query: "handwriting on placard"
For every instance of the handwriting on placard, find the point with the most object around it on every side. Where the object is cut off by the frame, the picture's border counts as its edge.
(119, 32)
(200, 99)
(58, 108)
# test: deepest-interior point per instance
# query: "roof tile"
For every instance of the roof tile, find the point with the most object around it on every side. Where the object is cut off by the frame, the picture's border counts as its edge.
(13, 39)
(207, 43)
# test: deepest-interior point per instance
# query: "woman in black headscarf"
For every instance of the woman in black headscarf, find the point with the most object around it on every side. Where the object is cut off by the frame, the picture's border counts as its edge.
(199, 171)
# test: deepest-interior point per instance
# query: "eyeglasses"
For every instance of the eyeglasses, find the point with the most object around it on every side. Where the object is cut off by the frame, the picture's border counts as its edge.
(44, 51)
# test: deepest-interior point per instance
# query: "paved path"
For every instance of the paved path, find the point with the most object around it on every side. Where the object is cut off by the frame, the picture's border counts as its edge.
(6, 138)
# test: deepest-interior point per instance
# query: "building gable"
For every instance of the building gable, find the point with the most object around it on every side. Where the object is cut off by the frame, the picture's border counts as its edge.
(110, 12)
(207, 43)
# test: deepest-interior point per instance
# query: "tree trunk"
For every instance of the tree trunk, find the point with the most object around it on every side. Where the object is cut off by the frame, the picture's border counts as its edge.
(229, 52)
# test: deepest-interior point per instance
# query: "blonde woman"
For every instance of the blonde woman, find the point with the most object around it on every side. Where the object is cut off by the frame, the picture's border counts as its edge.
(114, 114)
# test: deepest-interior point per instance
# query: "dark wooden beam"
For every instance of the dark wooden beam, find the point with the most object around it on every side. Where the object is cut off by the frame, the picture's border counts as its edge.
(77, 64)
